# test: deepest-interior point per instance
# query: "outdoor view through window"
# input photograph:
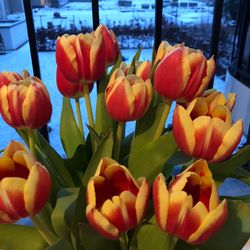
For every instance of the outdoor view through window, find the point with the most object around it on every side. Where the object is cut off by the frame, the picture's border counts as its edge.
(133, 22)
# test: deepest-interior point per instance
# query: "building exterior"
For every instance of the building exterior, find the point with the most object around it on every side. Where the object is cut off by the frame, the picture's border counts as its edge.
(10, 7)
(56, 3)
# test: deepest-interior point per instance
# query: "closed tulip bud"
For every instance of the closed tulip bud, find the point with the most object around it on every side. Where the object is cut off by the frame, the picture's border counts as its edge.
(81, 58)
(24, 184)
(116, 202)
(183, 74)
(127, 97)
(25, 103)
(70, 89)
(143, 70)
(8, 77)
(189, 208)
(205, 130)
(111, 45)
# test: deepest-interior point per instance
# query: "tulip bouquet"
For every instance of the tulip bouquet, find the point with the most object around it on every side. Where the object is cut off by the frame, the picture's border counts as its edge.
(156, 188)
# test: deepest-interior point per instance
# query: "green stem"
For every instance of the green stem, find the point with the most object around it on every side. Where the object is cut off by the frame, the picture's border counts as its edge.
(89, 112)
(118, 140)
(164, 116)
(123, 242)
(79, 118)
(47, 236)
(31, 141)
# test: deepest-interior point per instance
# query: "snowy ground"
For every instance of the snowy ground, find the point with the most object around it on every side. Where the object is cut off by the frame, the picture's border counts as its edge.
(110, 13)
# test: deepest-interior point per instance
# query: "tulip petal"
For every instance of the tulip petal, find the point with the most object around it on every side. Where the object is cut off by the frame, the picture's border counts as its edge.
(142, 199)
(11, 197)
(230, 141)
(4, 105)
(231, 101)
(114, 212)
(199, 167)
(37, 189)
(192, 221)
(4, 218)
(183, 130)
(201, 125)
(121, 179)
(120, 100)
(172, 85)
(12, 147)
(211, 224)
(198, 68)
(209, 75)
(97, 55)
(7, 167)
(66, 58)
(161, 201)
(101, 224)
(179, 204)
(214, 138)
(197, 107)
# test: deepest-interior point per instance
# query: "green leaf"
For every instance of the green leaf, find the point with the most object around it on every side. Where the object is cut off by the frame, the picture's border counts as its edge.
(78, 217)
(60, 245)
(71, 136)
(232, 236)
(150, 237)
(61, 216)
(133, 63)
(55, 160)
(150, 160)
(179, 158)
(125, 148)
(104, 149)
(16, 237)
(79, 160)
(91, 240)
(94, 135)
(146, 126)
(226, 168)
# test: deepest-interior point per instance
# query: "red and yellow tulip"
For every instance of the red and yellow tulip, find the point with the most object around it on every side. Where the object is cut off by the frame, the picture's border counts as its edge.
(116, 202)
(143, 70)
(127, 97)
(25, 103)
(24, 184)
(111, 45)
(183, 73)
(81, 58)
(205, 130)
(189, 208)
(70, 89)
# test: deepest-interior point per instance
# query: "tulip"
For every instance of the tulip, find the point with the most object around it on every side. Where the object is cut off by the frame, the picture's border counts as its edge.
(163, 49)
(111, 45)
(24, 184)
(7, 77)
(25, 103)
(70, 89)
(143, 70)
(189, 208)
(183, 73)
(205, 130)
(127, 97)
(81, 58)
(116, 202)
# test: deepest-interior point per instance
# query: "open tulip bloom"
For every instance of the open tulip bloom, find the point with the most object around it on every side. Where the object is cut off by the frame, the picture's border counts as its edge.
(155, 188)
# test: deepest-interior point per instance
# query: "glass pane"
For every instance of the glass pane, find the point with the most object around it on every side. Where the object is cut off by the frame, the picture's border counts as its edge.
(54, 19)
(14, 52)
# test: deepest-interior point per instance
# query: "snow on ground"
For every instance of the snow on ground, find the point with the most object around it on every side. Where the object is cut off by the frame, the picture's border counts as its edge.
(81, 13)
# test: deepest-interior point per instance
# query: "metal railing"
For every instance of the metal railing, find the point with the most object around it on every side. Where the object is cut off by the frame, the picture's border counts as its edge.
(218, 7)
